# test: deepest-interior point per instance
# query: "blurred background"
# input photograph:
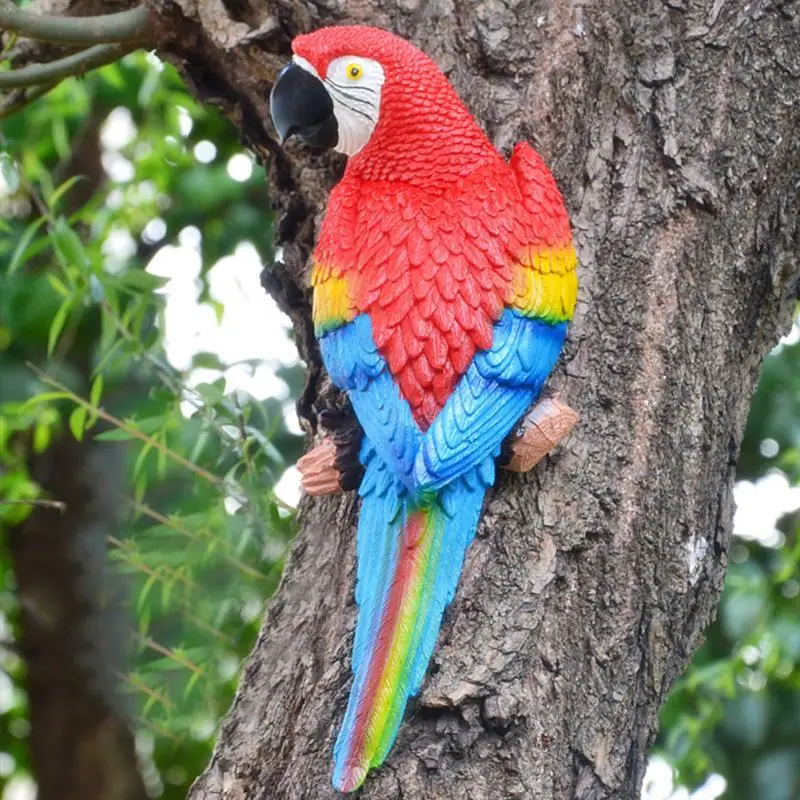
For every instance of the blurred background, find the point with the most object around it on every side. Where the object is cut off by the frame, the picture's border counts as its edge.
(145, 375)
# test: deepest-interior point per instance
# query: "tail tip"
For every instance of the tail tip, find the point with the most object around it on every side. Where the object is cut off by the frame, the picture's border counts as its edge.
(349, 777)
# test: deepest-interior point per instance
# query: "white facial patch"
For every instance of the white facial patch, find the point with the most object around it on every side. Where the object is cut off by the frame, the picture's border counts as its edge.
(354, 84)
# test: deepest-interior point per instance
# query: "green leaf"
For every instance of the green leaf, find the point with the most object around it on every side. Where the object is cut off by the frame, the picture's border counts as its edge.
(77, 422)
(43, 398)
(212, 393)
(148, 585)
(68, 245)
(207, 361)
(112, 75)
(115, 435)
(161, 459)
(60, 137)
(191, 683)
(149, 703)
(18, 259)
(52, 200)
(58, 284)
(96, 392)
(108, 357)
(57, 325)
(142, 457)
(5, 434)
(42, 434)
(145, 281)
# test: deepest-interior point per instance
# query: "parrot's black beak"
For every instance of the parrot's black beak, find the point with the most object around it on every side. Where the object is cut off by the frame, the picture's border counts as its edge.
(301, 106)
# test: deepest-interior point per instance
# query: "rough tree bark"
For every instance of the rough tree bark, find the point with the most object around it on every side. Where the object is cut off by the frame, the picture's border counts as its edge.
(671, 128)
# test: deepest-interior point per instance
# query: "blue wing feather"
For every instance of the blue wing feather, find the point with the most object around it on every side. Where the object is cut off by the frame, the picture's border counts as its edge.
(446, 472)
(496, 390)
(390, 445)
(354, 364)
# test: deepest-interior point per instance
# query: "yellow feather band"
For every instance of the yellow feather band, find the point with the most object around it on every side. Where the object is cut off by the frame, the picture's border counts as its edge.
(333, 305)
(545, 284)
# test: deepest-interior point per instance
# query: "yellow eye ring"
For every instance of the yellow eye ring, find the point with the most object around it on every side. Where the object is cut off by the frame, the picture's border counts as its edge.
(354, 71)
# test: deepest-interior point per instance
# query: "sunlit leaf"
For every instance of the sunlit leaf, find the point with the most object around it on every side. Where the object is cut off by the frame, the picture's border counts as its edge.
(58, 323)
(77, 422)
(53, 199)
(20, 254)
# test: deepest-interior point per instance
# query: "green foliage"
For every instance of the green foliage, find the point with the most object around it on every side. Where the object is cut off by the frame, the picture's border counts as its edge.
(82, 353)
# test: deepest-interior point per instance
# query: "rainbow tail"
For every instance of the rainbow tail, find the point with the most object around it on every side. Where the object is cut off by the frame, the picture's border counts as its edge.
(409, 562)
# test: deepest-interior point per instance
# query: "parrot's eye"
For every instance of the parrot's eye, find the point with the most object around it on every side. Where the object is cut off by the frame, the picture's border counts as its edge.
(354, 83)
(354, 71)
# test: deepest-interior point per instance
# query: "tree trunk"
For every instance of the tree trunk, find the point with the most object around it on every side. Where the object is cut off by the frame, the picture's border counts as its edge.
(671, 129)
(74, 630)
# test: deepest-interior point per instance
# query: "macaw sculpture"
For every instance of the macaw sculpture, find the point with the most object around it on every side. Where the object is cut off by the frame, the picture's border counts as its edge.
(444, 277)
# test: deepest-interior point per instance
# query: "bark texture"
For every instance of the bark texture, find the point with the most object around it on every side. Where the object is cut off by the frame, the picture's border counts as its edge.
(672, 130)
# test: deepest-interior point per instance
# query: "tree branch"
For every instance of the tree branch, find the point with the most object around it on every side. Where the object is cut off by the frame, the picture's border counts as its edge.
(75, 64)
(125, 26)
(58, 505)
(21, 98)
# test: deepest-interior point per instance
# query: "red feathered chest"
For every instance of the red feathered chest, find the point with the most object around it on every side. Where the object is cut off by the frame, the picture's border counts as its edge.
(432, 269)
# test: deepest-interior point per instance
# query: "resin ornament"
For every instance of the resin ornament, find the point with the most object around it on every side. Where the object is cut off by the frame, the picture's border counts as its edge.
(444, 278)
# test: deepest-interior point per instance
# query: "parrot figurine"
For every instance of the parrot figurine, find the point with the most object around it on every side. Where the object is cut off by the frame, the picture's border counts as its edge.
(444, 278)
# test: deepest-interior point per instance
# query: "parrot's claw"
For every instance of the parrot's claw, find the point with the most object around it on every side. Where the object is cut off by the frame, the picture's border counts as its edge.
(539, 431)
(333, 465)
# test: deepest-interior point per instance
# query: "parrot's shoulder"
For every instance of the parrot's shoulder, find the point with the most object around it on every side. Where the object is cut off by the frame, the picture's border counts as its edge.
(529, 168)
(543, 204)
(545, 283)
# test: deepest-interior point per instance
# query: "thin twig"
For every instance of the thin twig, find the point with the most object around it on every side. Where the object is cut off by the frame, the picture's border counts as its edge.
(161, 368)
(215, 632)
(135, 433)
(125, 26)
(182, 529)
(139, 564)
(163, 372)
(75, 64)
(22, 98)
(179, 659)
(139, 684)
(58, 505)
(159, 729)
(194, 399)
(127, 553)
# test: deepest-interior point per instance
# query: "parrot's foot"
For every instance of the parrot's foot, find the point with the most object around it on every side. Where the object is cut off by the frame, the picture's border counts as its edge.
(539, 431)
(318, 472)
(333, 465)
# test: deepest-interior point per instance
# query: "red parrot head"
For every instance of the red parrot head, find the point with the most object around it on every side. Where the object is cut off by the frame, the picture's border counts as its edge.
(360, 89)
